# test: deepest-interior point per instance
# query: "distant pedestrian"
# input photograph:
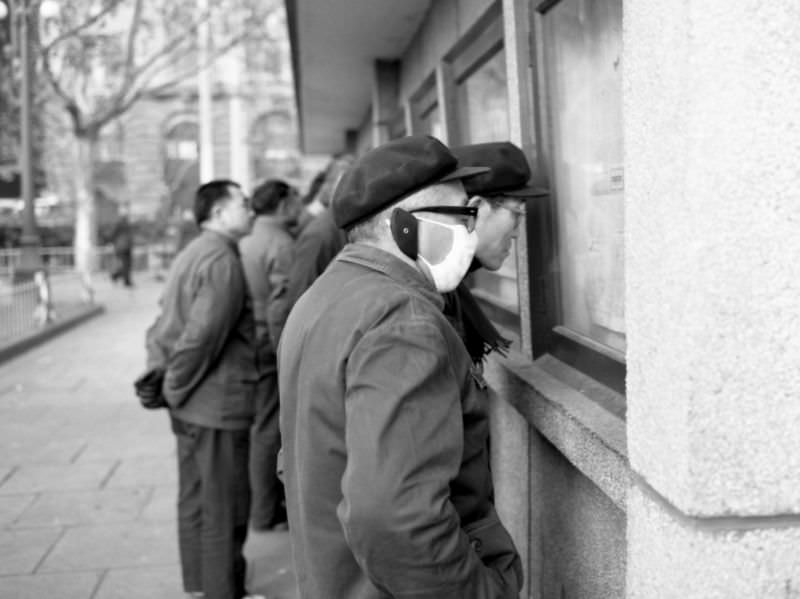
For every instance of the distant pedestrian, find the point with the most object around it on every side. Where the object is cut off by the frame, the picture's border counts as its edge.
(122, 240)
(204, 339)
(276, 205)
(388, 487)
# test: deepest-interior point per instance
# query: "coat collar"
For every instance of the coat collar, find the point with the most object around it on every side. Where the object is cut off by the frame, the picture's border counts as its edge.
(218, 237)
(270, 222)
(392, 266)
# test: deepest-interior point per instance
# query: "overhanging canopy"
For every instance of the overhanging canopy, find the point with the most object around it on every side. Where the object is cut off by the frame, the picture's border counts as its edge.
(334, 46)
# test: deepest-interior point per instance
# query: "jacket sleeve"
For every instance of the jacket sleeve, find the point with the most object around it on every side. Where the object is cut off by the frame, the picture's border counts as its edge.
(214, 311)
(279, 303)
(404, 436)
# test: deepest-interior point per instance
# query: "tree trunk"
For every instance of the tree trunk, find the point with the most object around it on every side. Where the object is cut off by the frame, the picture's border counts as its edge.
(85, 242)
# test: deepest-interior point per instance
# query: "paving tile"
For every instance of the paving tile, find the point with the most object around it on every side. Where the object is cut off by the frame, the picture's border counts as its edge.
(145, 471)
(162, 504)
(11, 506)
(113, 445)
(84, 507)
(5, 471)
(69, 585)
(152, 583)
(103, 546)
(22, 550)
(37, 478)
(41, 451)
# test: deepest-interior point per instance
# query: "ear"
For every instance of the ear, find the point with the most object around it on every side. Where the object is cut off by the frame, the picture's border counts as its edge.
(474, 201)
(404, 231)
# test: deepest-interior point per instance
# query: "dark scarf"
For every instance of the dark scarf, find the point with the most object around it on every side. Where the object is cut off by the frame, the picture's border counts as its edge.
(478, 333)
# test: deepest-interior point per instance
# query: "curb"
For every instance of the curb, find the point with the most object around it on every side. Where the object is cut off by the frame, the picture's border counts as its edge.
(18, 347)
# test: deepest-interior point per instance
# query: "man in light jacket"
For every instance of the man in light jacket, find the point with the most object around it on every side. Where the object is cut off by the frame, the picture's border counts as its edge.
(386, 468)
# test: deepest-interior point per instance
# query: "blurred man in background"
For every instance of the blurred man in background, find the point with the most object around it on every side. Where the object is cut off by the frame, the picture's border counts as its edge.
(266, 252)
(204, 340)
(317, 244)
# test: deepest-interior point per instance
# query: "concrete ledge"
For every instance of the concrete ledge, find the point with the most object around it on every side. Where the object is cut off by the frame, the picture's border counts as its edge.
(19, 346)
(590, 436)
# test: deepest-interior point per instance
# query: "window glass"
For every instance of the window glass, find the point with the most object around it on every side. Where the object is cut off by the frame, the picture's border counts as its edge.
(583, 58)
(483, 102)
(483, 116)
(431, 122)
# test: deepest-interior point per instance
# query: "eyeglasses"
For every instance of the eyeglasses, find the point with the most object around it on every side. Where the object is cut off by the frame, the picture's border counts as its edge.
(467, 214)
(514, 207)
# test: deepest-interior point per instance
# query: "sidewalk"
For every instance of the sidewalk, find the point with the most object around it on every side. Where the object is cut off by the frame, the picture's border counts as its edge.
(88, 478)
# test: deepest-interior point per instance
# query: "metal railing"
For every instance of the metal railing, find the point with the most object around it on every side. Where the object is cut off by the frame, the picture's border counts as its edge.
(26, 307)
(62, 259)
(62, 292)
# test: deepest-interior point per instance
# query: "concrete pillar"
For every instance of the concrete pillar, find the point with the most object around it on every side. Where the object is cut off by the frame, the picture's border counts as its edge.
(239, 154)
(712, 144)
(385, 91)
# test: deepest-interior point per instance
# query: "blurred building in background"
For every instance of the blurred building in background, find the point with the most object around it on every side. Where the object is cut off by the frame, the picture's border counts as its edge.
(148, 157)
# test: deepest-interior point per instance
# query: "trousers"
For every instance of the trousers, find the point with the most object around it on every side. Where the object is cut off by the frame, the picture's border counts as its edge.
(265, 442)
(213, 508)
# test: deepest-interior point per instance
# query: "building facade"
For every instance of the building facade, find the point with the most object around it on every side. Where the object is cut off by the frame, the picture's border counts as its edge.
(645, 427)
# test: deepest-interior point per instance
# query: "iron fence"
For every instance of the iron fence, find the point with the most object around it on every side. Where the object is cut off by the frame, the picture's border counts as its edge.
(26, 307)
(62, 259)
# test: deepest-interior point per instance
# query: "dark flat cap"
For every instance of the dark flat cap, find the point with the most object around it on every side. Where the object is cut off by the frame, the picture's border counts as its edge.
(387, 174)
(508, 170)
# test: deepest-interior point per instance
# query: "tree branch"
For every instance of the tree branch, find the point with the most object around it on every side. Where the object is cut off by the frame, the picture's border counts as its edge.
(130, 51)
(112, 4)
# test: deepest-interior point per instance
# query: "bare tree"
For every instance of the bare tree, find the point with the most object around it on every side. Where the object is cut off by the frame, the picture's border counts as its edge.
(100, 57)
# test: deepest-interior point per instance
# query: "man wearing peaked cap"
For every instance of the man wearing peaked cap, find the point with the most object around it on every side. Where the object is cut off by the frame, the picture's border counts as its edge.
(386, 469)
(499, 195)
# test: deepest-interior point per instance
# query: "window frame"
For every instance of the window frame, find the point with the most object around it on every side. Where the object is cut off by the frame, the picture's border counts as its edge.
(422, 102)
(548, 333)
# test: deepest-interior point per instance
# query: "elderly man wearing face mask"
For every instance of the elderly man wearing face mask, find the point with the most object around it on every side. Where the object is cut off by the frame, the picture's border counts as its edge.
(499, 195)
(387, 481)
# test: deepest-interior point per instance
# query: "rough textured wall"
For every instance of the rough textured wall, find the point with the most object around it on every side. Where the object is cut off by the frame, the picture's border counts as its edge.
(674, 559)
(580, 541)
(712, 136)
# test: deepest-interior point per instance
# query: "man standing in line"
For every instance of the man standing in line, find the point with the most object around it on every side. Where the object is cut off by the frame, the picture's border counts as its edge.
(499, 195)
(277, 206)
(387, 476)
(203, 338)
(317, 244)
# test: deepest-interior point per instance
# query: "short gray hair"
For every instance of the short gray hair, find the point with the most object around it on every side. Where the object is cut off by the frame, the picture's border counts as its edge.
(372, 229)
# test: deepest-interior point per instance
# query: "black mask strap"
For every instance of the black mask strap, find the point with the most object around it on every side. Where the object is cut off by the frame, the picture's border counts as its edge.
(404, 231)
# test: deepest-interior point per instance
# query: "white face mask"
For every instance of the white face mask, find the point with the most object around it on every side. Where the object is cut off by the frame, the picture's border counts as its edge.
(448, 273)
